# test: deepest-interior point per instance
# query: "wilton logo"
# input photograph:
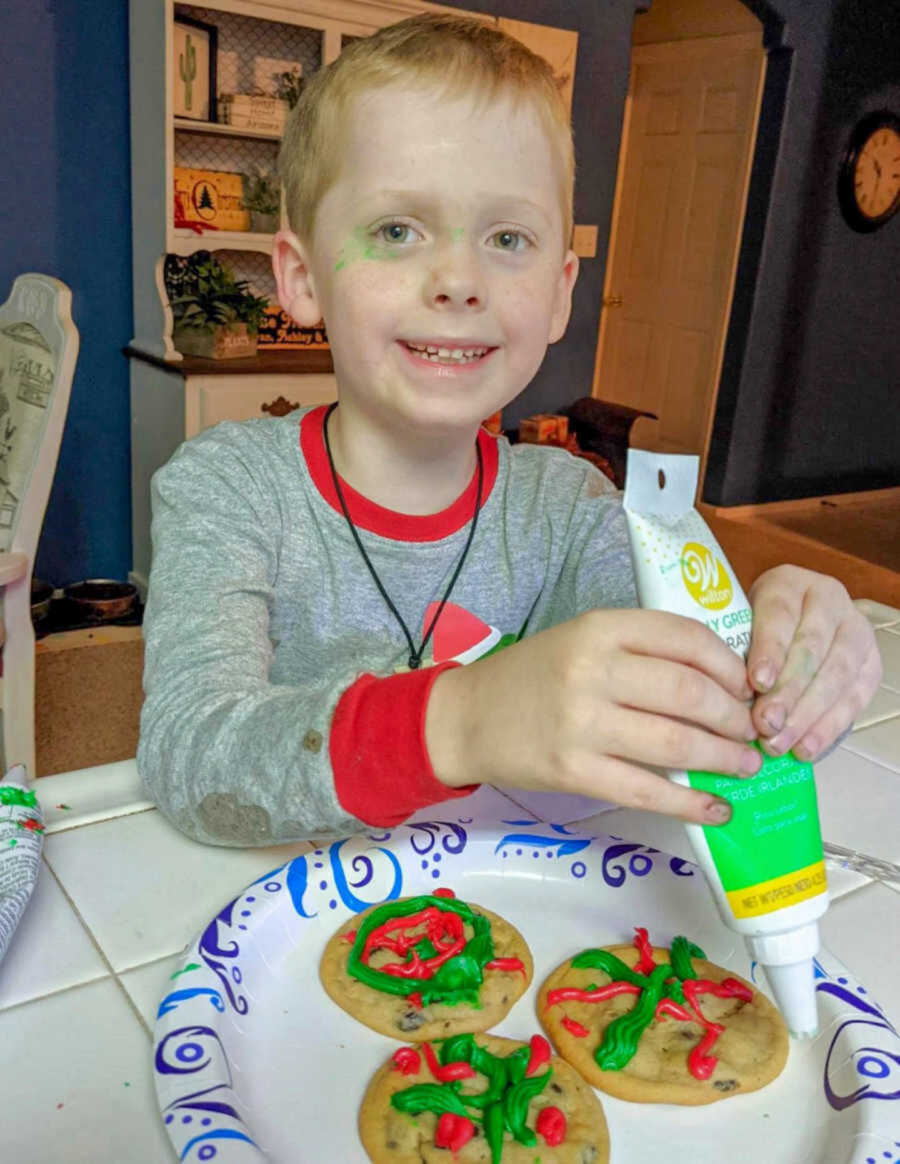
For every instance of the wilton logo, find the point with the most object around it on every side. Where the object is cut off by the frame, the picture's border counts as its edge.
(705, 577)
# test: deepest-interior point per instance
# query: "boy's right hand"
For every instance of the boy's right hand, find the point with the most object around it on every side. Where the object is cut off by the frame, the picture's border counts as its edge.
(583, 706)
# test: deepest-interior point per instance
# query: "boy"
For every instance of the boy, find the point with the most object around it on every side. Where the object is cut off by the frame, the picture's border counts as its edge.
(317, 580)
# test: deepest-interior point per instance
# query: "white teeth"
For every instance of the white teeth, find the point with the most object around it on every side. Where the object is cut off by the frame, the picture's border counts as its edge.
(447, 355)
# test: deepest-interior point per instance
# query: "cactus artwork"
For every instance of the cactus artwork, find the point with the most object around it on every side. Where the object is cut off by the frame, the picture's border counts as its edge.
(187, 67)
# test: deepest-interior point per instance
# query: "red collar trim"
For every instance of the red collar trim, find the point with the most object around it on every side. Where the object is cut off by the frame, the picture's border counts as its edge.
(404, 527)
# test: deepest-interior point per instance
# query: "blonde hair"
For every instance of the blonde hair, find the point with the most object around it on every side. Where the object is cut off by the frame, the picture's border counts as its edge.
(461, 55)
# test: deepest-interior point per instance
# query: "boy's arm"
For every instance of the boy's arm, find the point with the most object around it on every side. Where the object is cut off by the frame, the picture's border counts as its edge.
(813, 660)
(586, 706)
(591, 705)
(230, 757)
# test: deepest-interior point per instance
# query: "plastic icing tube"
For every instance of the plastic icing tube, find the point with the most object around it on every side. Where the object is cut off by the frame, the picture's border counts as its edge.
(765, 866)
(21, 841)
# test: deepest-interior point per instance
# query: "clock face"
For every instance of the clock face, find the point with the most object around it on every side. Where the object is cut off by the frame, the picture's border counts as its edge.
(869, 176)
(876, 175)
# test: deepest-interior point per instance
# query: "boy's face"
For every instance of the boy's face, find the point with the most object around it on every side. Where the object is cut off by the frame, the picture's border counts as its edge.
(443, 230)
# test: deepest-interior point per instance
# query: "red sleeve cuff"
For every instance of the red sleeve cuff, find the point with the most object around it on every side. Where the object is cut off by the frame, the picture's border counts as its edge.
(382, 772)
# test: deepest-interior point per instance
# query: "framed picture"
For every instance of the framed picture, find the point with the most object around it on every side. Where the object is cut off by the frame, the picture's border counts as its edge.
(193, 69)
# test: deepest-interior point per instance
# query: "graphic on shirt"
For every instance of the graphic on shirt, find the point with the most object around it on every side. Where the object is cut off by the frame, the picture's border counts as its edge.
(461, 636)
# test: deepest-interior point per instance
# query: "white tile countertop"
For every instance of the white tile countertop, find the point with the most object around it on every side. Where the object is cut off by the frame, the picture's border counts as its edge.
(122, 894)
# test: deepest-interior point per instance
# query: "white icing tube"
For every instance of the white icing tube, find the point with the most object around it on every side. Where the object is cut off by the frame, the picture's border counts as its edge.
(21, 841)
(765, 867)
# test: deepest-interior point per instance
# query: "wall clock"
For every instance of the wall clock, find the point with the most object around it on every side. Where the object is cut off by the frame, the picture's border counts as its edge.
(869, 177)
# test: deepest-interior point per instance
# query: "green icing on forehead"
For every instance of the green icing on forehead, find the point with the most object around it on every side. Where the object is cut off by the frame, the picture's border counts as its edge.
(456, 234)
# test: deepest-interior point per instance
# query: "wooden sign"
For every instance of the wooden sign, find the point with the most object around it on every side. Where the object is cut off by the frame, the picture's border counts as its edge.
(246, 111)
(212, 198)
(280, 333)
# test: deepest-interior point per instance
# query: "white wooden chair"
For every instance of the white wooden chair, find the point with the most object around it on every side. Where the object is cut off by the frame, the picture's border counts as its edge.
(38, 350)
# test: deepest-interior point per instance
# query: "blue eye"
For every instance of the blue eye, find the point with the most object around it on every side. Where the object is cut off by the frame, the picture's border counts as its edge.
(396, 232)
(510, 240)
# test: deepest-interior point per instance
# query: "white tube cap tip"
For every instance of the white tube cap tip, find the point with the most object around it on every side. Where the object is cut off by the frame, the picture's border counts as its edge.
(795, 995)
(787, 959)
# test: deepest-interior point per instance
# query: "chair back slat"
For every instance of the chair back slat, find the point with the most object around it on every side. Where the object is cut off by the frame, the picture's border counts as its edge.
(38, 350)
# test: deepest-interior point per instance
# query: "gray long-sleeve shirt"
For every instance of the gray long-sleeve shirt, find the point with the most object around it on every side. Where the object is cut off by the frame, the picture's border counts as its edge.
(261, 613)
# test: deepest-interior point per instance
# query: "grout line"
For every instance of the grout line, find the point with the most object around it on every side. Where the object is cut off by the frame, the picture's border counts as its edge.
(869, 883)
(53, 993)
(63, 826)
(515, 803)
(110, 968)
(892, 766)
(876, 722)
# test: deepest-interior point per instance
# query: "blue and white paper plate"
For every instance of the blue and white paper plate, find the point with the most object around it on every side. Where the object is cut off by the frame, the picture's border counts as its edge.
(254, 1062)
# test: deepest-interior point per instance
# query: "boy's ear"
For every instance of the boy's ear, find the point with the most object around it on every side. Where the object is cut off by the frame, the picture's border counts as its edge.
(293, 279)
(562, 298)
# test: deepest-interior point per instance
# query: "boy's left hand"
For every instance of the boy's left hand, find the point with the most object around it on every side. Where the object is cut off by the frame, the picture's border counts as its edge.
(813, 661)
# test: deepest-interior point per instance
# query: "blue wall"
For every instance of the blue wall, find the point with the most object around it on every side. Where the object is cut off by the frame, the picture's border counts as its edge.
(64, 119)
(808, 400)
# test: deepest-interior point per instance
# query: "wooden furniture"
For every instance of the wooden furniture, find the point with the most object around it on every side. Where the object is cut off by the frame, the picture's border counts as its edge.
(604, 427)
(853, 536)
(38, 350)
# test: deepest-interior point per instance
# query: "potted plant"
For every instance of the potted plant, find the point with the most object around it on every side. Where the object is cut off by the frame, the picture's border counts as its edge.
(289, 85)
(262, 197)
(214, 314)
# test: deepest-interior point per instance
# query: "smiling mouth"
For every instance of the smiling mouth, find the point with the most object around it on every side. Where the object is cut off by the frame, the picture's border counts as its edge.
(449, 356)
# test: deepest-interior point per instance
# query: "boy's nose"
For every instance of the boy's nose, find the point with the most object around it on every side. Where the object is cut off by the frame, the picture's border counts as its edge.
(455, 281)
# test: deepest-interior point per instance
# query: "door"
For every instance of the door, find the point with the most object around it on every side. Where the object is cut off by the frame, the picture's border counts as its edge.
(683, 170)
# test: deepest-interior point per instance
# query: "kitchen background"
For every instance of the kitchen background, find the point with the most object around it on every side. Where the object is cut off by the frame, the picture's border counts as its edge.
(807, 401)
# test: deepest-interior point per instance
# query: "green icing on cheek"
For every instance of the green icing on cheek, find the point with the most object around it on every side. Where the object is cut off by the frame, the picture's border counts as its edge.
(361, 247)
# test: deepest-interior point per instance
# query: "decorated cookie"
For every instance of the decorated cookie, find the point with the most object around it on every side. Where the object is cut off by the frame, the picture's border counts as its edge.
(662, 1026)
(481, 1100)
(426, 967)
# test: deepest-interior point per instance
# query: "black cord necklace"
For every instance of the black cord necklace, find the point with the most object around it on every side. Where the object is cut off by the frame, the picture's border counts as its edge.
(415, 656)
